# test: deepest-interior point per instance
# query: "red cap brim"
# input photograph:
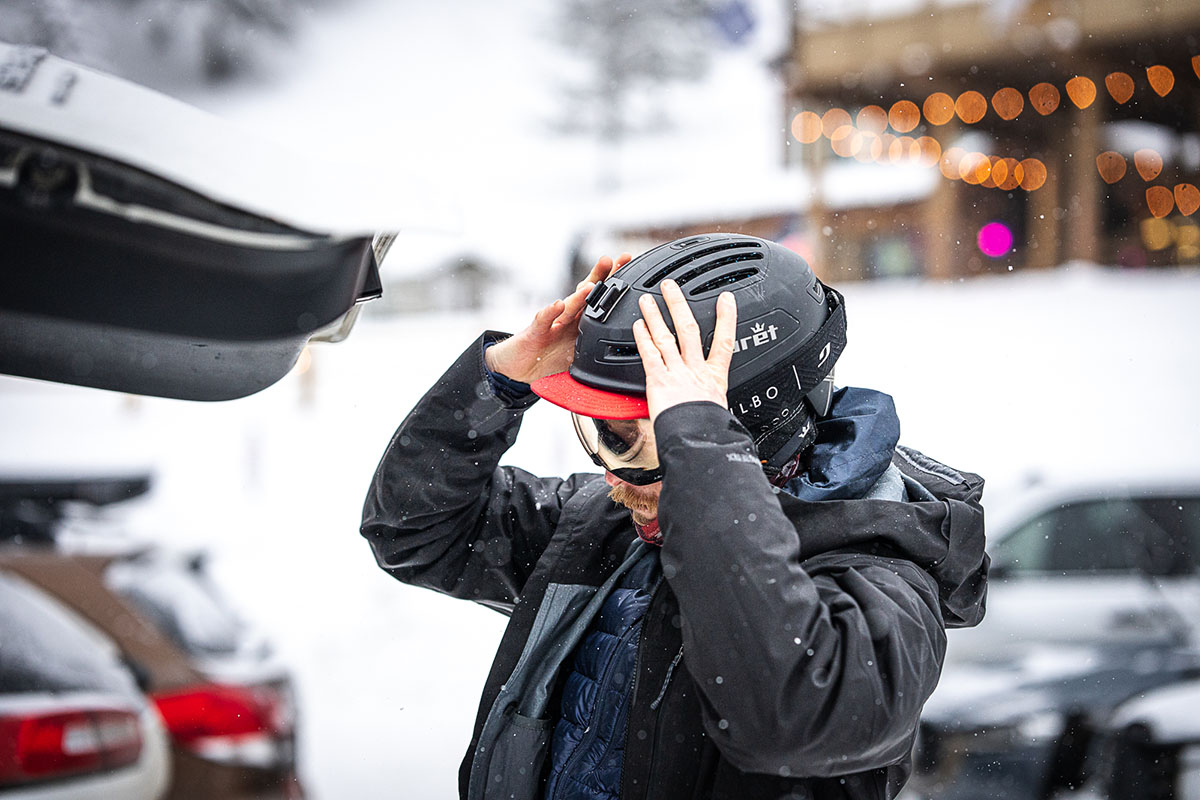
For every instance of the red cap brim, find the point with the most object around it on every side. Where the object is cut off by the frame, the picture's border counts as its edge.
(563, 390)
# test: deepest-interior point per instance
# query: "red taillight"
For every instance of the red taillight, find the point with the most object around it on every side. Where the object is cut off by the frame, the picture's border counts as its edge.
(226, 722)
(50, 745)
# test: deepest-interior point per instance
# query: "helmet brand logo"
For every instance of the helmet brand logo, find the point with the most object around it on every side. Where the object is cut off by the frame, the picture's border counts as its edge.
(756, 400)
(825, 353)
(759, 335)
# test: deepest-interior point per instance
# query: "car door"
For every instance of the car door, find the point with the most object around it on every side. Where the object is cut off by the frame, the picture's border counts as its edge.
(1093, 570)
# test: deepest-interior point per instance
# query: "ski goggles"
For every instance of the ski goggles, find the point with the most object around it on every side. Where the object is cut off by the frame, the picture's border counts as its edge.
(624, 447)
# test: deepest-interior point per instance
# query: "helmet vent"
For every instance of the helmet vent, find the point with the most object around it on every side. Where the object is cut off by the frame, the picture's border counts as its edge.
(728, 278)
(621, 352)
(657, 277)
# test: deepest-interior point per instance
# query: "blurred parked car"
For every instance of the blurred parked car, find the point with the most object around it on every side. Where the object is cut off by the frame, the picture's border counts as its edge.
(1093, 600)
(1149, 748)
(1089, 562)
(1025, 728)
(224, 698)
(73, 724)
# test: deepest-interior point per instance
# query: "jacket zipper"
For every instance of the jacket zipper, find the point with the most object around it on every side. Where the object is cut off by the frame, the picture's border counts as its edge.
(667, 681)
(637, 679)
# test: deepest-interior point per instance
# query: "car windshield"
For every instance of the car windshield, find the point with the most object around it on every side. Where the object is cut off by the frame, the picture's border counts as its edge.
(180, 603)
(43, 648)
(1159, 535)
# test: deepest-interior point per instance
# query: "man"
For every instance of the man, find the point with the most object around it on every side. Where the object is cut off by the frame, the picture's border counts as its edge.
(750, 602)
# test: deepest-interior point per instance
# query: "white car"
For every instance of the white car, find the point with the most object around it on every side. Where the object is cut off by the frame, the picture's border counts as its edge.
(73, 724)
(1090, 562)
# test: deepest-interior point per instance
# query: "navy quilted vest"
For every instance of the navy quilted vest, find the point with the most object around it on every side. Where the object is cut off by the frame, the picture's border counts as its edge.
(588, 745)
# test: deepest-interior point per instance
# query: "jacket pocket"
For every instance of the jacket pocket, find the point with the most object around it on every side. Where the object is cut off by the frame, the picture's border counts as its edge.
(518, 759)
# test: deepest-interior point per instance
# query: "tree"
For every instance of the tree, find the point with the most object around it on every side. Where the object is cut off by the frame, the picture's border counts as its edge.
(624, 52)
(163, 43)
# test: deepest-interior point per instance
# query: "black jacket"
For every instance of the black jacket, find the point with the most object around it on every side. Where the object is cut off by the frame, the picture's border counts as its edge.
(812, 632)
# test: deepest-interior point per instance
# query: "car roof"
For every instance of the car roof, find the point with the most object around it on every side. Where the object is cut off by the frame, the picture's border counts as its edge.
(1013, 508)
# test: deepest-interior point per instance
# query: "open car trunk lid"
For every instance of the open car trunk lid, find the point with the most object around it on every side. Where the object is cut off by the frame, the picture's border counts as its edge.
(148, 247)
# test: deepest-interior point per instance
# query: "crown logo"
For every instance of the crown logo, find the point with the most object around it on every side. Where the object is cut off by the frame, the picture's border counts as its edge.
(757, 327)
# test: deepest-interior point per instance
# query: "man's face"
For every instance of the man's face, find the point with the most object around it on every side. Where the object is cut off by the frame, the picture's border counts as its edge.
(628, 447)
(641, 500)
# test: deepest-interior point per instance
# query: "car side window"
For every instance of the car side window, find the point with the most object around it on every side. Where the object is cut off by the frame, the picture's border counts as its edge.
(1175, 544)
(1078, 538)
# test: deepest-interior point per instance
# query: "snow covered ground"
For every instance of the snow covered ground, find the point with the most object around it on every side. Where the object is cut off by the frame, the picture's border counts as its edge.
(1074, 369)
(1079, 368)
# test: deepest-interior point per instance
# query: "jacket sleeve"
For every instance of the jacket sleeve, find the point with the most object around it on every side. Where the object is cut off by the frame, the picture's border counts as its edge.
(441, 513)
(818, 669)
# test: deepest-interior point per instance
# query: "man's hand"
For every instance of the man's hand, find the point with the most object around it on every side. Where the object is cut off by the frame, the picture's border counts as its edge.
(547, 346)
(678, 372)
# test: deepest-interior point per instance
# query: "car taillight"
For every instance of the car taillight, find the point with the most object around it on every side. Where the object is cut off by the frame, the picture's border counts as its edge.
(51, 745)
(244, 724)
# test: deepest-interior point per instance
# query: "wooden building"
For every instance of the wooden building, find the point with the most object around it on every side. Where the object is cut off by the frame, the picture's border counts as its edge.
(1093, 106)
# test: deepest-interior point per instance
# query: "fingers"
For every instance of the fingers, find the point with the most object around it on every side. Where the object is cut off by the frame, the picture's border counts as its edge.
(545, 317)
(657, 328)
(604, 266)
(686, 329)
(652, 360)
(724, 333)
(573, 304)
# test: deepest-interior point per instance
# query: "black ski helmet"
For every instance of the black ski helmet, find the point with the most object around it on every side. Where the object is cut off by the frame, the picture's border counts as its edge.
(791, 330)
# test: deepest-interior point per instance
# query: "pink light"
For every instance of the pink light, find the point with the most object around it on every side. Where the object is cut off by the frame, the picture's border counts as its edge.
(995, 239)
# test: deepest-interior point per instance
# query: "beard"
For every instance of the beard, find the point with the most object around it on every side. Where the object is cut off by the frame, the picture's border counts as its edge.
(642, 501)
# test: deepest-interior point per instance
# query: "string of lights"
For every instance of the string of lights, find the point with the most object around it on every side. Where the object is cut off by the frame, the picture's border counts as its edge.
(876, 134)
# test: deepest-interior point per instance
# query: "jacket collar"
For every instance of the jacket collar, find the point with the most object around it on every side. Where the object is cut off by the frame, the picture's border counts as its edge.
(854, 447)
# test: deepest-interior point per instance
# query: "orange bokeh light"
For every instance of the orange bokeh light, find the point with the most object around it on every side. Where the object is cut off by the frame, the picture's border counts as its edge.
(872, 119)
(999, 173)
(1008, 102)
(886, 140)
(876, 145)
(1033, 175)
(970, 107)
(845, 141)
(1082, 91)
(1187, 197)
(833, 120)
(1044, 97)
(869, 146)
(1111, 165)
(1160, 201)
(904, 116)
(1007, 173)
(950, 161)
(974, 168)
(939, 108)
(898, 150)
(806, 127)
(1148, 163)
(1119, 85)
(929, 151)
(1162, 80)
(1196, 65)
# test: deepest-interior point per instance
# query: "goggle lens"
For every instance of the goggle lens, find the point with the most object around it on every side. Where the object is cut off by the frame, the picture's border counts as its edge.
(624, 447)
